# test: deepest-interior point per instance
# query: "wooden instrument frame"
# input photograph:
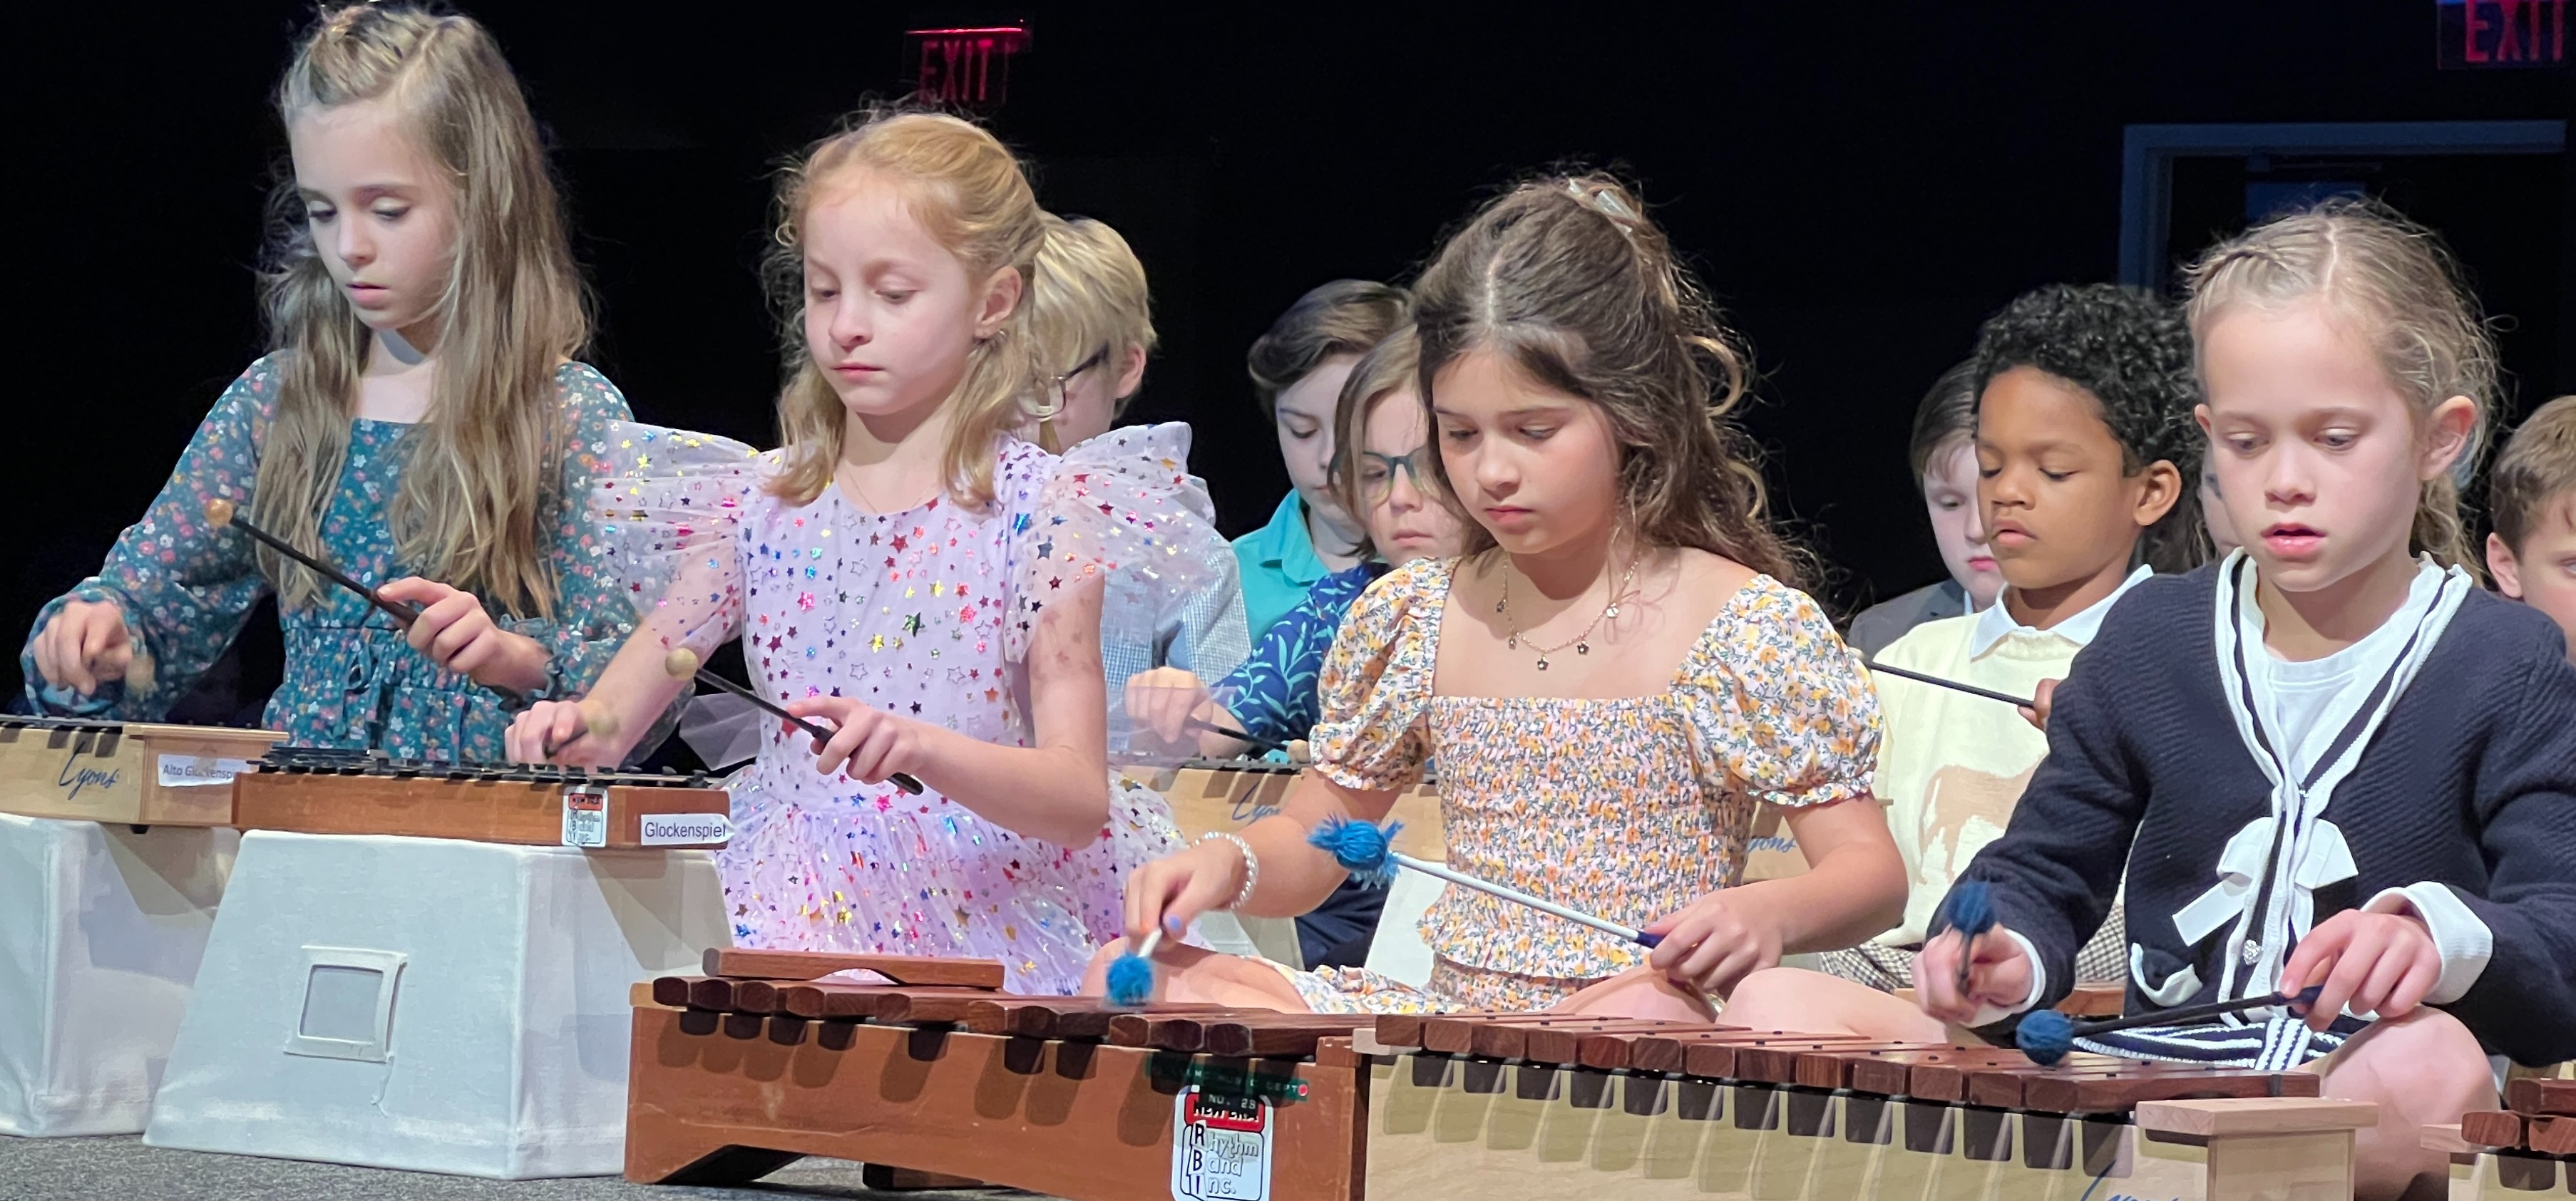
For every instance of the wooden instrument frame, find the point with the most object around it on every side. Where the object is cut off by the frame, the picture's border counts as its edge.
(730, 1081)
(519, 806)
(111, 771)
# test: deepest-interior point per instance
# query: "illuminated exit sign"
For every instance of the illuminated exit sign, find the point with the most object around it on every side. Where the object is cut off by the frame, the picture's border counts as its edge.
(2475, 34)
(965, 67)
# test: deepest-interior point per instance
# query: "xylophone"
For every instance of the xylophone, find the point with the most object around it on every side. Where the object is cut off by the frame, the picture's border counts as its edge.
(2529, 1146)
(1500, 1107)
(124, 773)
(735, 1076)
(307, 790)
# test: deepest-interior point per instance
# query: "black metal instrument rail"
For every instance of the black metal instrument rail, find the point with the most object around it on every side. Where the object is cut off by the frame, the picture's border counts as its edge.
(331, 761)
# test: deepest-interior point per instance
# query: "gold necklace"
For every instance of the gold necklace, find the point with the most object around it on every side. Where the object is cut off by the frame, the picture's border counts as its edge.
(1582, 643)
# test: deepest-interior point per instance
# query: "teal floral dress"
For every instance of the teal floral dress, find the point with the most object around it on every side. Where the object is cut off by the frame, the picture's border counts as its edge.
(350, 680)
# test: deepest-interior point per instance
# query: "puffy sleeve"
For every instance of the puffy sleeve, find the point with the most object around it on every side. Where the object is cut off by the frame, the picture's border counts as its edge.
(591, 616)
(1777, 705)
(1375, 690)
(669, 505)
(184, 587)
(1123, 508)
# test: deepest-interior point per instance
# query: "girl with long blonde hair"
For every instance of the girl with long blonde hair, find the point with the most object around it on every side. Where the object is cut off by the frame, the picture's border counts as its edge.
(2330, 761)
(908, 571)
(419, 420)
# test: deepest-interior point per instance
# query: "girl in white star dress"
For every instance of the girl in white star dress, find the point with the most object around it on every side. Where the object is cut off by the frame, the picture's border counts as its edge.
(952, 635)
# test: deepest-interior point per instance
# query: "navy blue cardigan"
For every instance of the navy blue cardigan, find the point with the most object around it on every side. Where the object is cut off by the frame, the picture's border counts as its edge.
(2471, 782)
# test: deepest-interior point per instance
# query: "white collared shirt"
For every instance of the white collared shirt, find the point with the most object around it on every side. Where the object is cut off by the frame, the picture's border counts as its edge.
(1995, 622)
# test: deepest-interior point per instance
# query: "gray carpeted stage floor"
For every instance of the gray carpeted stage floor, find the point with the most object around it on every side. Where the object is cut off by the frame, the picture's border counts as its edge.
(123, 1169)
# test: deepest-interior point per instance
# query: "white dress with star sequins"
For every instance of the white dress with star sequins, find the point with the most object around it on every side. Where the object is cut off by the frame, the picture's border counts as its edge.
(926, 613)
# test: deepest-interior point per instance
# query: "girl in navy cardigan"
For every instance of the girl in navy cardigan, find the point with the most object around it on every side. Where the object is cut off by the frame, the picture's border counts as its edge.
(2331, 759)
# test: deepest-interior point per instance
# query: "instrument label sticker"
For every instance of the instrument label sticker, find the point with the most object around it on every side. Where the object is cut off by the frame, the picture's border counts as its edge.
(686, 830)
(1220, 1147)
(198, 771)
(585, 812)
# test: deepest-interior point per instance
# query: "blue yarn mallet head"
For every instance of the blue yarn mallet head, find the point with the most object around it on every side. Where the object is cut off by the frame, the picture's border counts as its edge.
(1131, 976)
(1363, 849)
(1969, 909)
(2045, 1035)
(1131, 980)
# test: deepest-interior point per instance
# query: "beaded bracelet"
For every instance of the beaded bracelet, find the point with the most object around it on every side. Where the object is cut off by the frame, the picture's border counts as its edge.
(1251, 866)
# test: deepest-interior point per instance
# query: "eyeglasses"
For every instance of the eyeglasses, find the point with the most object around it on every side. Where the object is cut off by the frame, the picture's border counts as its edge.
(1062, 385)
(1377, 471)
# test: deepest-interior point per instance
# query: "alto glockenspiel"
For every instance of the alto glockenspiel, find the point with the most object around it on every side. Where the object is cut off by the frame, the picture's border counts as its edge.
(124, 773)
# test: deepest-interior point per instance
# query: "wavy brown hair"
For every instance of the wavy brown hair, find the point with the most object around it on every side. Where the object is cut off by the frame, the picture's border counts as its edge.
(1568, 277)
(969, 192)
(2399, 290)
(480, 466)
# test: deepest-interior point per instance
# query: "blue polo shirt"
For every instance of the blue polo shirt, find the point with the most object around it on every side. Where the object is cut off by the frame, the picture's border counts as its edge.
(1279, 564)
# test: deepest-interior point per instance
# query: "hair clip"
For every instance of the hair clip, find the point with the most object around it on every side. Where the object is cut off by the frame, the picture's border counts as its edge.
(1603, 201)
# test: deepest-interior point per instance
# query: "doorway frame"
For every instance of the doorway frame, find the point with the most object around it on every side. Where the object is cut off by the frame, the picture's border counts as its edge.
(2147, 153)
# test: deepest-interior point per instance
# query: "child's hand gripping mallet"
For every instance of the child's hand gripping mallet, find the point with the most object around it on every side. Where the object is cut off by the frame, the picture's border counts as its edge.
(682, 664)
(1365, 851)
(1970, 910)
(221, 513)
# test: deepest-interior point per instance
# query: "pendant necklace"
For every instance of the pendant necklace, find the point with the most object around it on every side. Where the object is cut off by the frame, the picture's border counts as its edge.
(1582, 643)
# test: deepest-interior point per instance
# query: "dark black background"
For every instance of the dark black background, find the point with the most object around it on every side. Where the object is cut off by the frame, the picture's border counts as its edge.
(1859, 184)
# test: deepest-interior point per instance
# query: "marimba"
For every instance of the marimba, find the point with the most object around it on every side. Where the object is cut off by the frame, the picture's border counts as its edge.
(1500, 1107)
(2527, 1147)
(735, 1077)
(125, 773)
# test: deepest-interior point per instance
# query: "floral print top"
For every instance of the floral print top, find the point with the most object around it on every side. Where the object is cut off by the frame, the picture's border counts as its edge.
(1628, 808)
(350, 679)
(1274, 696)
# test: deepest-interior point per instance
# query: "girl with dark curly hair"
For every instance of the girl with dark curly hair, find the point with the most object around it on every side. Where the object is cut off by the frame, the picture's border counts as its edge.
(2083, 419)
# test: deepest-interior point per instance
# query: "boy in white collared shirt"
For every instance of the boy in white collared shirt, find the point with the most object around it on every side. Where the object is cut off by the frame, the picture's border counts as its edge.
(2085, 397)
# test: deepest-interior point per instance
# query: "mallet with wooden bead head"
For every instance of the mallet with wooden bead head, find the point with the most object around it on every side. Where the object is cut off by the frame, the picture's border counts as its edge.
(682, 664)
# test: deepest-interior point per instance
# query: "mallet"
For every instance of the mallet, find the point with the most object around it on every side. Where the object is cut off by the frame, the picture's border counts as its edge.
(683, 664)
(221, 514)
(1366, 851)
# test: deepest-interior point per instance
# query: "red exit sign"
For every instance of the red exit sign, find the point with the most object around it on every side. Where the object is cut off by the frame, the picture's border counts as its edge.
(966, 68)
(2501, 33)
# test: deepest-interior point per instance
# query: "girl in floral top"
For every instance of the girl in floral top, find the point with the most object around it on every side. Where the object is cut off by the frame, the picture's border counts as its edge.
(418, 417)
(1614, 678)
